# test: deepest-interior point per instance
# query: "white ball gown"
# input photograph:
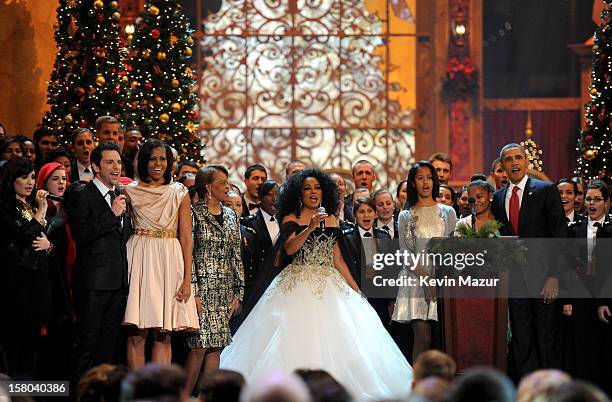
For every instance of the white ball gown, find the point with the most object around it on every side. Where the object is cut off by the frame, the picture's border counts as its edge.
(310, 318)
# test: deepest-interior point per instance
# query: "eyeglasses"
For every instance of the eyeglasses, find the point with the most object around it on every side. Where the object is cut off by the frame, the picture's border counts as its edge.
(593, 199)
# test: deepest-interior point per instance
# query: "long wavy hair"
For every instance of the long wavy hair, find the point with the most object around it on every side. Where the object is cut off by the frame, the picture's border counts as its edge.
(13, 169)
(413, 195)
(290, 197)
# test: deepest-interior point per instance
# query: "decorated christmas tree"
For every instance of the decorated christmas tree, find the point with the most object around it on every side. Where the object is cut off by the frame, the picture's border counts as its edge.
(595, 142)
(160, 99)
(85, 82)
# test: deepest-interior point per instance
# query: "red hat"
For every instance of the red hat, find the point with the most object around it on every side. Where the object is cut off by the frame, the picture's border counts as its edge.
(46, 171)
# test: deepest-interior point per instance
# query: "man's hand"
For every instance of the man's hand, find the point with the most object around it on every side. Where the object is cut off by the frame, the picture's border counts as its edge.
(603, 312)
(119, 205)
(550, 292)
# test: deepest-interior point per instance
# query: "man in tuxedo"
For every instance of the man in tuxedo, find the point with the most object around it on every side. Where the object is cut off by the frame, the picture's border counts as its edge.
(567, 191)
(363, 176)
(100, 228)
(83, 146)
(530, 208)
(254, 176)
(264, 222)
(384, 211)
(358, 246)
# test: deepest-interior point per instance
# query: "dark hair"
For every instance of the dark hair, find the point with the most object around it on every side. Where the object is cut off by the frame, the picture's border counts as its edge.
(96, 154)
(482, 385)
(413, 196)
(507, 147)
(23, 139)
(205, 176)
(42, 132)
(186, 163)
(569, 181)
(359, 162)
(11, 171)
(399, 187)
(57, 152)
(485, 185)
(363, 200)
(442, 157)
(292, 164)
(152, 382)
(495, 162)
(601, 186)
(290, 199)
(101, 383)
(222, 386)
(6, 141)
(255, 167)
(79, 131)
(266, 187)
(144, 154)
(478, 176)
(323, 386)
(452, 191)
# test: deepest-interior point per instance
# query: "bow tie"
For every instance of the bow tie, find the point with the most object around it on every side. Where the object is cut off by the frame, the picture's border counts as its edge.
(252, 206)
(367, 234)
(386, 228)
(272, 219)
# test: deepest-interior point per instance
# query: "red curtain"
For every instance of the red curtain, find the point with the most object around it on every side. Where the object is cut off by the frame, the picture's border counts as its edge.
(555, 132)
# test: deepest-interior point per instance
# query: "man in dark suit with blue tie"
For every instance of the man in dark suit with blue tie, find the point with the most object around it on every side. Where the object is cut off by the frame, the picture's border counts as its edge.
(100, 227)
(530, 208)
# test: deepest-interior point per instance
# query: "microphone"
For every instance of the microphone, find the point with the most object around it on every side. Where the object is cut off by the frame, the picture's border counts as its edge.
(322, 223)
(54, 197)
(118, 189)
(472, 202)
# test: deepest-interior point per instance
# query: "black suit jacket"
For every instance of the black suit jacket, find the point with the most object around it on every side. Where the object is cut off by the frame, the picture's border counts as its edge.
(245, 208)
(351, 247)
(101, 260)
(256, 221)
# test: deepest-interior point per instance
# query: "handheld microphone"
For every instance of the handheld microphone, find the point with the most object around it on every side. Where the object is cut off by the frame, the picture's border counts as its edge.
(472, 202)
(322, 223)
(118, 189)
(54, 197)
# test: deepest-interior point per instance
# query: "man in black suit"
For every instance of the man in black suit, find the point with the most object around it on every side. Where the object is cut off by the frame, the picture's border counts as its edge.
(263, 222)
(83, 145)
(254, 176)
(530, 208)
(100, 228)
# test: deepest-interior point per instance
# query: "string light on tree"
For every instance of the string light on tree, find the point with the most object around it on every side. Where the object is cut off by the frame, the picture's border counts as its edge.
(534, 153)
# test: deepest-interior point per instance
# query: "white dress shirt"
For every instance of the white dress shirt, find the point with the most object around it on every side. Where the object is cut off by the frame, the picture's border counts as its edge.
(272, 226)
(592, 233)
(104, 190)
(391, 229)
(368, 244)
(83, 175)
(521, 185)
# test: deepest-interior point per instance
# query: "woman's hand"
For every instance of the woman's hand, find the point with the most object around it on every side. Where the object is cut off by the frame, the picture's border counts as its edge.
(316, 219)
(184, 291)
(41, 199)
(41, 243)
(233, 306)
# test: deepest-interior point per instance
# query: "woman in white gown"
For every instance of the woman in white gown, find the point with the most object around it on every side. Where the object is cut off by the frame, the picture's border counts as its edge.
(313, 316)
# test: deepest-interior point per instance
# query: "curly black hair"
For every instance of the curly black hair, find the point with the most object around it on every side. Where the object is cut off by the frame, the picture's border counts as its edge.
(290, 197)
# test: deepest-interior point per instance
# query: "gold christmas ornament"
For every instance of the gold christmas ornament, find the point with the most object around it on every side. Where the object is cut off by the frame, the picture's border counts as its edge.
(190, 41)
(175, 83)
(116, 16)
(114, 5)
(594, 91)
(590, 154)
(187, 52)
(158, 99)
(191, 127)
(176, 107)
(125, 78)
(98, 4)
(153, 10)
(100, 80)
(134, 84)
(161, 55)
(68, 118)
(183, 102)
(164, 118)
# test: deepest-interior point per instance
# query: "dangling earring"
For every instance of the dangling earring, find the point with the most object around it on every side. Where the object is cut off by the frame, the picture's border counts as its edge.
(301, 205)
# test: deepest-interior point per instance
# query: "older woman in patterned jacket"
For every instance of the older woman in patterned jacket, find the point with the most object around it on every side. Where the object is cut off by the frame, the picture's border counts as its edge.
(218, 276)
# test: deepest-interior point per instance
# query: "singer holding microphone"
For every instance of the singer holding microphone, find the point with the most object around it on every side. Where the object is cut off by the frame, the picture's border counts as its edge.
(25, 295)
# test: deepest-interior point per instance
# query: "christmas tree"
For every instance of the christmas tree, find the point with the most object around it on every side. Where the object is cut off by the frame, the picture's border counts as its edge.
(160, 100)
(85, 82)
(595, 142)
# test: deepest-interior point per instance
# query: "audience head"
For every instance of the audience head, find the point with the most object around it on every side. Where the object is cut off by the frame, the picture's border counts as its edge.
(83, 145)
(384, 205)
(478, 176)
(212, 183)
(361, 192)
(540, 383)
(60, 155)
(28, 147)
(423, 182)
(310, 189)
(52, 177)
(234, 202)
(363, 174)
(155, 162)
(101, 384)
(294, 167)
(433, 363)
(254, 176)
(579, 200)
(514, 161)
(186, 167)
(498, 174)
(45, 140)
(153, 382)
(106, 163)
(364, 211)
(18, 180)
(432, 389)
(10, 147)
(340, 183)
(188, 180)
(446, 195)
(463, 202)
(574, 391)
(567, 190)
(175, 158)
(482, 385)
(482, 191)
(323, 387)
(401, 195)
(222, 386)
(267, 194)
(276, 386)
(443, 165)
(133, 139)
(597, 200)
(107, 129)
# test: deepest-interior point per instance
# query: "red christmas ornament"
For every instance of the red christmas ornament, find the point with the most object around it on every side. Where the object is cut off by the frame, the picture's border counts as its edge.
(148, 85)
(588, 139)
(156, 69)
(155, 33)
(83, 123)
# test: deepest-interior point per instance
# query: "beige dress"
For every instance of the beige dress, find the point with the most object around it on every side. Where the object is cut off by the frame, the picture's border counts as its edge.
(155, 260)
